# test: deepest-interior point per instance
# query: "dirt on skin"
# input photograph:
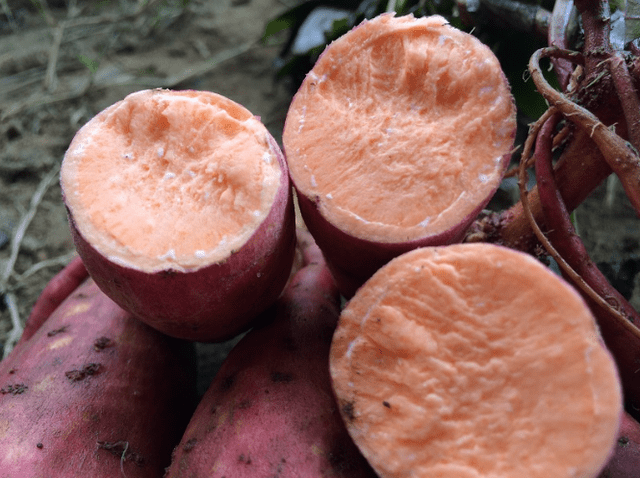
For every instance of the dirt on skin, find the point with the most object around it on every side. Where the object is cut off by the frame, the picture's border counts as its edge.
(60, 65)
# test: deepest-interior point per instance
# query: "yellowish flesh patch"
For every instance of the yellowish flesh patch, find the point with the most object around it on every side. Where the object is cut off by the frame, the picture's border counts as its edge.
(170, 179)
(59, 343)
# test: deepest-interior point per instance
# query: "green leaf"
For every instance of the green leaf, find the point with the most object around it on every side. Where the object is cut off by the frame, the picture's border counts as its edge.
(291, 19)
(339, 28)
(89, 63)
(276, 26)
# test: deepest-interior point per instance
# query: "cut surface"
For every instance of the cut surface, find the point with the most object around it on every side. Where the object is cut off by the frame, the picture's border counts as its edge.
(170, 179)
(474, 361)
(401, 129)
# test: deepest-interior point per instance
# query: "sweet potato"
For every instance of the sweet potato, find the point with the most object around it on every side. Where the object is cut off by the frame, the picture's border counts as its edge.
(55, 292)
(474, 360)
(625, 462)
(396, 139)
(270, 410)
(93, 392)
(181, 208)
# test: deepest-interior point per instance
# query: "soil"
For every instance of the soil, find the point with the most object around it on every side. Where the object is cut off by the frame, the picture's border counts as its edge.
(62, 64)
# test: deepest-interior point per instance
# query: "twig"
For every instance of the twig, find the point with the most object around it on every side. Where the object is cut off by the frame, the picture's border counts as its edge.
(44, 11)
(16, 324)
(18, 236)
(72, 8)
(50, 80)
(16, 242)
(611, 189)
(206, 66)
(621, 158)
(39, 101)
(56, 261)
(170, 82)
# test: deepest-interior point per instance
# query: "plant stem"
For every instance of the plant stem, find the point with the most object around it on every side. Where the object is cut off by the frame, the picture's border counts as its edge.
(575, 261)
(596, 23)
(616, 325)
(628, 97)
(621, 158)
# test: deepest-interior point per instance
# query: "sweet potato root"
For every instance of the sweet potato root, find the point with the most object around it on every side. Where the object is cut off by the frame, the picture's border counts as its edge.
(93, 392)
(270, 410)
(474, 360)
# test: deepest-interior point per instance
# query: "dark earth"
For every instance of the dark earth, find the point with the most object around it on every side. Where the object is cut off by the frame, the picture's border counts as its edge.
(62, 64)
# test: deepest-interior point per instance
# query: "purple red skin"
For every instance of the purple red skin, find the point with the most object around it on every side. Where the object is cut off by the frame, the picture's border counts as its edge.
(213, 303)
(352, 260)
(270, 411)
(54, 293)
(625, 462)
(63, 417)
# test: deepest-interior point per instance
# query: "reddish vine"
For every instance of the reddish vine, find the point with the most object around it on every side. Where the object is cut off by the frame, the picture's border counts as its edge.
(599, 107)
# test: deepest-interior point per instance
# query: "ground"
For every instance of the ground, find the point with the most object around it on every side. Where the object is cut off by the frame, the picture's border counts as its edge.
(61, 65)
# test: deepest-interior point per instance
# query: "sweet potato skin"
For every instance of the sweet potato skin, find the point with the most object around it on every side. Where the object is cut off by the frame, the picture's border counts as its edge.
(625, 462)
(213, 303)
(270, 410)
(55, 292)
(352, 260)
(94, 392)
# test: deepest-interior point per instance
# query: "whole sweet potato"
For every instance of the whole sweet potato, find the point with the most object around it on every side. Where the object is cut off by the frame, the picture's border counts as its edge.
(270, 410)
(93, 393)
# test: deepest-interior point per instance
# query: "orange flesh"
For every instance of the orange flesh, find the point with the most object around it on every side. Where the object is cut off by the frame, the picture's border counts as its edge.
(474, 361)
(400, 129)
(170, 179)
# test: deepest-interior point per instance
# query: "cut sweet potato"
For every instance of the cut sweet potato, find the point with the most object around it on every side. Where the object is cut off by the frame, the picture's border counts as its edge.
(397, 138)
(94, 392)
(181, 209)
(474, 360)
(270, 410)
